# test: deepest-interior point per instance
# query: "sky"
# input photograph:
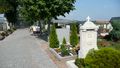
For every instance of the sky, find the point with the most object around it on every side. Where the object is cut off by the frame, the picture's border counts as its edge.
(96, 9)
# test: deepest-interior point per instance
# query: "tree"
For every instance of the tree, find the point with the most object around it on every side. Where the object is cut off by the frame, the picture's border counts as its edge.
(4, 6)
(53, 40)
(9, 8)
(73, 35)
(64, 50)
(45, 9)
(64, 41)
(115, 33)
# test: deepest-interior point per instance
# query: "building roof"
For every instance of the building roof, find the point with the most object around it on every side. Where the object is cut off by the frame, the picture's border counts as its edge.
(66, 21)
(101, 22)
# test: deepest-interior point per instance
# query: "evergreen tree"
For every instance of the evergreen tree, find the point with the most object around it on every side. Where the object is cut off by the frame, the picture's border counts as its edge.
(64, 50)
(64, 41)
(53, 39)
(73, 36)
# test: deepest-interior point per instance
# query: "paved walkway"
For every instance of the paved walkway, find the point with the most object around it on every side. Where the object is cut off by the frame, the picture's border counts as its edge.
(21, 50)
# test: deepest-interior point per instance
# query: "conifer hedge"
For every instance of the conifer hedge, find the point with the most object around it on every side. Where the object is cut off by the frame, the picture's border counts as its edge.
(73, 35)
(53, 39)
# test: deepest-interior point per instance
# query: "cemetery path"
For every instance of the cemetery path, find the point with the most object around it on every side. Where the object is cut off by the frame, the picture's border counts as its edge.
(21, 50)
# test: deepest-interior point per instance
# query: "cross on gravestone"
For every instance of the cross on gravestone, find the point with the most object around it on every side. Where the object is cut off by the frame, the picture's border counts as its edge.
(88, 18)
(88, 38)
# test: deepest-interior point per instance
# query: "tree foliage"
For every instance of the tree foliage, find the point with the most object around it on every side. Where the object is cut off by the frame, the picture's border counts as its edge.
(4, 6)
(42, 9)
(53, 39)
(9, 8)
(73, 35)
(64, 51)
(115, 33)
(45, 9)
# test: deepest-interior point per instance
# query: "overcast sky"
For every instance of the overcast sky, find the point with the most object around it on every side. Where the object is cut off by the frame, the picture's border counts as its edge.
(96, 9)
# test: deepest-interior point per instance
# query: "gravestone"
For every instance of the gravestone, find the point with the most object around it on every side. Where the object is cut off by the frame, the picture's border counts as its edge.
(63, 32)
(88, 38)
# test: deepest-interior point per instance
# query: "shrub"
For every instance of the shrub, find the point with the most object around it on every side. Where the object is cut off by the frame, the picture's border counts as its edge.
(73, 35)
(103, 58)
(80, 63)
(64, 50)
(53, 39)
(14, 28)
(9, 31)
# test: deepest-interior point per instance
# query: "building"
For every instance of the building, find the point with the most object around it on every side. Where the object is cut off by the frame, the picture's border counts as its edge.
(3, 23)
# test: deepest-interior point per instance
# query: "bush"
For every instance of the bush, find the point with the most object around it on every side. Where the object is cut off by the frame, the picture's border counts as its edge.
(64, 51)
(73, 35)
(9, 31)
(103, 58)
(53, 39)
(80, 63)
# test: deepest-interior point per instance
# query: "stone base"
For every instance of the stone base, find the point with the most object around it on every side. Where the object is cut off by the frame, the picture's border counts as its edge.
(71, 64)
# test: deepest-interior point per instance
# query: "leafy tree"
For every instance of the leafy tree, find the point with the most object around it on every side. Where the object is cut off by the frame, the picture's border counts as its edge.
(73, 36)
(4, 6)
(9, 8)
(115, 33)
(45, 9)
(64, 50)
(53, 40)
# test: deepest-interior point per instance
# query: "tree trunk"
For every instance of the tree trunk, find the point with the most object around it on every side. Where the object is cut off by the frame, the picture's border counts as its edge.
(49, 22)
(40, 27)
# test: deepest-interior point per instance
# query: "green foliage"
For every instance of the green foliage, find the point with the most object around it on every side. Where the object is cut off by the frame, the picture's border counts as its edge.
(73, 35)
(9, 8)
(53, 39)
(103, 58)
(40, 9)
(64, 41)
(4, 6)
(80, 63)
(64, 50)
(115, 33)
(35, 10)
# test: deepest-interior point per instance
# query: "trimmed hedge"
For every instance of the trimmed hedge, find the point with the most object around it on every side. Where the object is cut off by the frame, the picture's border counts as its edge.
(103, 58)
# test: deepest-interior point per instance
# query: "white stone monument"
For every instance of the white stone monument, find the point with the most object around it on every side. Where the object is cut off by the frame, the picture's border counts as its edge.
(88, 38)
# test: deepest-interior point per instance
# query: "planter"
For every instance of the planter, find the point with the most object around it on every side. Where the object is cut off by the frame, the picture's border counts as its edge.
(71, 64)
(59, 57)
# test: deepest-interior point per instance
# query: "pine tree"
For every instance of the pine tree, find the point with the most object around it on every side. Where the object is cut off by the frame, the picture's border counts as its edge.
(73, 36)
(53, 39)
(64, 50)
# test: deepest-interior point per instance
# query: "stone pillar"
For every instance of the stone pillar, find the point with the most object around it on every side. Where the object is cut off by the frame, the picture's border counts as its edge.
(88, 38)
